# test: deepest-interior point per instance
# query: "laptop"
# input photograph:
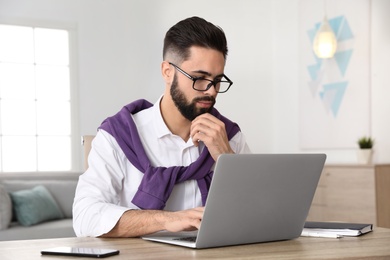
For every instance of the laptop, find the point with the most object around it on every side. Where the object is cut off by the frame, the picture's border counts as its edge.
(254, 198)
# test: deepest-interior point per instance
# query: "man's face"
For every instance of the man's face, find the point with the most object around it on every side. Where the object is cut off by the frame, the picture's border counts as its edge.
(189, 108)
(205, 63)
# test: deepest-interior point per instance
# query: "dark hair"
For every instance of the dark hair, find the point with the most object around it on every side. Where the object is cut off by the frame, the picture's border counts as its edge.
(190, 32)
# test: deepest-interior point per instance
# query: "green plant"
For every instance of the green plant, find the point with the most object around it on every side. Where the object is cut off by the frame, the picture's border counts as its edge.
(366, 142)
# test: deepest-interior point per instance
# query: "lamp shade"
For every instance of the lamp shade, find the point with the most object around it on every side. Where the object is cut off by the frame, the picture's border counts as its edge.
(325, 42)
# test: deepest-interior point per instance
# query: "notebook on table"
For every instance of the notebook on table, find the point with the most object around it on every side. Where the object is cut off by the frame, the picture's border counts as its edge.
(339, 228)
(254, 198)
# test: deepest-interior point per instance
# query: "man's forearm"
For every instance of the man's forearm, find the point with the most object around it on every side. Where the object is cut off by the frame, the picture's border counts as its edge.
(135, 223)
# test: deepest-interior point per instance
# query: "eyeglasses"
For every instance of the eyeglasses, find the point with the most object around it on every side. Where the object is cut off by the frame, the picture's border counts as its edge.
(221, 85)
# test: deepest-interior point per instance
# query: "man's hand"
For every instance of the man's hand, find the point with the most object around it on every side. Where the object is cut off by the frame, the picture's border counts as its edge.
(211, 131)
(186, 220)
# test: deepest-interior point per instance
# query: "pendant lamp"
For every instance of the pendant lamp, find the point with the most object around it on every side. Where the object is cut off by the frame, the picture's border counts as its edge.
(325, 42)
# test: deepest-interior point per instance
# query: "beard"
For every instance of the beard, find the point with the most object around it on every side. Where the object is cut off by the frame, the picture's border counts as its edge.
(188, 109)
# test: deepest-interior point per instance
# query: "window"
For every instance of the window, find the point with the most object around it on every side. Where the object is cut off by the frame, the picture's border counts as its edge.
(35, 99)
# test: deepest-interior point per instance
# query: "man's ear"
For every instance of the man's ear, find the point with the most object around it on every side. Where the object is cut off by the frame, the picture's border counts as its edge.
(167, 72)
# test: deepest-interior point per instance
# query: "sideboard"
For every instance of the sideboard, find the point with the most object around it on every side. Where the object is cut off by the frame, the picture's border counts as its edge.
(353, 193)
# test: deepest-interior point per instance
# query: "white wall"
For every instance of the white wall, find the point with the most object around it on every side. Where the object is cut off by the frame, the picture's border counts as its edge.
(285, 76)
(120, 49)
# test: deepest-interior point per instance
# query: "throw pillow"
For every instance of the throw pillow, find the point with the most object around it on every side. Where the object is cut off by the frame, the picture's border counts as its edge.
(5, 208)
(35, 206)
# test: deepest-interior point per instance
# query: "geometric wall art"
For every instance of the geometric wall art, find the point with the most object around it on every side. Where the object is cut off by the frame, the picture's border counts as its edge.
(332, 94)
(335, 93)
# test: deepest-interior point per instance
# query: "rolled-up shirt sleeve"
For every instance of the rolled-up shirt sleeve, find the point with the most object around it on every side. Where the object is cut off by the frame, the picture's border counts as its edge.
(239, 145)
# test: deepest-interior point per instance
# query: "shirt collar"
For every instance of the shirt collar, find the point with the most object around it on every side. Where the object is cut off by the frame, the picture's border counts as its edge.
(162, 129)
(158, 121)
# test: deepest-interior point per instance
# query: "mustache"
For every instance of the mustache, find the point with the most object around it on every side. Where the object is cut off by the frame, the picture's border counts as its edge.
(205, 98)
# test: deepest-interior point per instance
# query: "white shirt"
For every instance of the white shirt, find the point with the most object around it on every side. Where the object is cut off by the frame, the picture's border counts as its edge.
(104, 192)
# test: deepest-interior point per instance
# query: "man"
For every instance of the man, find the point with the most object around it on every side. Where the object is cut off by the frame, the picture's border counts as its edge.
(150, 166)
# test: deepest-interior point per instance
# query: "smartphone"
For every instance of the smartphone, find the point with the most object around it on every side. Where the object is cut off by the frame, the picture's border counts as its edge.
(75, 251)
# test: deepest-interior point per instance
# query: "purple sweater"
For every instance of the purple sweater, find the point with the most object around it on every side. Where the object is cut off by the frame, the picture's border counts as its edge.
(158, 182)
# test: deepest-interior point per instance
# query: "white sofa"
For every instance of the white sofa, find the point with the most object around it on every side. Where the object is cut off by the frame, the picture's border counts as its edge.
(61, 186)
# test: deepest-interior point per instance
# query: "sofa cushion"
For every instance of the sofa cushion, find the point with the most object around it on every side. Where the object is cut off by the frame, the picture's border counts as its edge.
(34, 206)
(5, 208)
(49, 229)
(62, 191)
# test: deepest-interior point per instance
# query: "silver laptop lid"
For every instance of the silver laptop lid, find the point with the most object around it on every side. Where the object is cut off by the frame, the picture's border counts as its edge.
(259, 198)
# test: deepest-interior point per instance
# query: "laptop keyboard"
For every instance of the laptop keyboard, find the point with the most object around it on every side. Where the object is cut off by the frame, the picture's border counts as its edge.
(188, 239)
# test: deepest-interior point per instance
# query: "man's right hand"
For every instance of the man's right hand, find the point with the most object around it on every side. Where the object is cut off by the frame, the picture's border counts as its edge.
(186, 220)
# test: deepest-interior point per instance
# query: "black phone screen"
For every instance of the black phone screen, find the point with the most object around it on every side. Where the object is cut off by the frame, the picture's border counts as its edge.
(75, 251)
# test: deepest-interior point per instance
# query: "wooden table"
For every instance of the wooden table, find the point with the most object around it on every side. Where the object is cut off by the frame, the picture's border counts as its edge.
(374, 245)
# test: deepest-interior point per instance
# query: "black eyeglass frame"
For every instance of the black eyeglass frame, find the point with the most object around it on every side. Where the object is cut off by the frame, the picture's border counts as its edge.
(212, 82)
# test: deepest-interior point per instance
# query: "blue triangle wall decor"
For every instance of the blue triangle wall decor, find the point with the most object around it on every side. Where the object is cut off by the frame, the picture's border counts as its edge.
(342, 59)
(345, 32)
(335, 93)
